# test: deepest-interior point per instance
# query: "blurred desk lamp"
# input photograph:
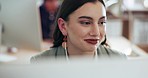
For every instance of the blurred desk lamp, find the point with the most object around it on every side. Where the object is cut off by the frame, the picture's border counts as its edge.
(114, 6)
(145, 3)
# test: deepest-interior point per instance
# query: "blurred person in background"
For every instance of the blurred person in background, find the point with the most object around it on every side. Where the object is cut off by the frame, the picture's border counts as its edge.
(48, 12)
(80, 31)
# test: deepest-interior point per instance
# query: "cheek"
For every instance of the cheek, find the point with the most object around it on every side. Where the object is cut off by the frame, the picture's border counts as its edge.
(78, 31)
(103, 30)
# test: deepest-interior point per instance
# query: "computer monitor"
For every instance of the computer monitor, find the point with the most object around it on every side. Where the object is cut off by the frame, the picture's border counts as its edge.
(21, 22)
(79, 69)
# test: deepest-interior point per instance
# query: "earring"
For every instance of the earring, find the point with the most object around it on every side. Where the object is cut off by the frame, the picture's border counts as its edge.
(64, 42)
(64, 45)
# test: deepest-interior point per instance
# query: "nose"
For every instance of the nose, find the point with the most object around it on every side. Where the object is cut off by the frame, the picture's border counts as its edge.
(95, 30)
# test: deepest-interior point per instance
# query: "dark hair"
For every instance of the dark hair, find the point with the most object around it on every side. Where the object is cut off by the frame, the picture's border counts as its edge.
(68, 7)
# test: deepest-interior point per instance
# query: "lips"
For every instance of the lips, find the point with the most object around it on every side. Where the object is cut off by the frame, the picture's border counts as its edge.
(92, 41)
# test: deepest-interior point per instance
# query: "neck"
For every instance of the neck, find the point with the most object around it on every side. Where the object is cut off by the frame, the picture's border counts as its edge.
(73, 51)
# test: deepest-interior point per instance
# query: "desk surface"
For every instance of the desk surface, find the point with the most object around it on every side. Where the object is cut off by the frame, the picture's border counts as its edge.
(23, 55)
(123, 45)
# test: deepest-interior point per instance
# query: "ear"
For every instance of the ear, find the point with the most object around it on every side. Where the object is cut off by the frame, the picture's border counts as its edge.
(62, 26)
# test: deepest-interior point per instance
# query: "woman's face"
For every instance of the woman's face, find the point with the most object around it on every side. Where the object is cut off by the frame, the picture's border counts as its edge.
(86, 27)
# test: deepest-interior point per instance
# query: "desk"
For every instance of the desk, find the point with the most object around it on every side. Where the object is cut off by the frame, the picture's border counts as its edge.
(122, 44)
(23, 55)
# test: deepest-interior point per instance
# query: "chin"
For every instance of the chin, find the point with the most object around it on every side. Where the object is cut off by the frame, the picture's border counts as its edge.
(91, 48)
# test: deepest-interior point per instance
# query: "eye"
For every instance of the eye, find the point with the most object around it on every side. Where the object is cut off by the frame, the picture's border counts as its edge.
(102, 23)
(85, 22)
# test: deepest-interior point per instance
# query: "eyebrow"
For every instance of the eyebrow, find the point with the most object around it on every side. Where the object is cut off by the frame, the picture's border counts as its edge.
(103, 17)
(87, 17)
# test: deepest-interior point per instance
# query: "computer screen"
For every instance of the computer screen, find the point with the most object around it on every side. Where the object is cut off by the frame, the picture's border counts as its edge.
(21, 23)
(79, 69)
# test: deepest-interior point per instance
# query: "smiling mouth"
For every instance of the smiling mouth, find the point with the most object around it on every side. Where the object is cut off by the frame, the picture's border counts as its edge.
(92, 41)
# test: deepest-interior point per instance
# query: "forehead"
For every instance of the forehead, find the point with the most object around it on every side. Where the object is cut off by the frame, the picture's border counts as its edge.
(94, 10)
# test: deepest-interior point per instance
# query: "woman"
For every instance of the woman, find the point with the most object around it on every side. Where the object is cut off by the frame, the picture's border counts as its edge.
(80, 31)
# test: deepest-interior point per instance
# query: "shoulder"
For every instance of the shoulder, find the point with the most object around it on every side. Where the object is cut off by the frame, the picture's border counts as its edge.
(44, 55)
(51, 54)
(110, 52)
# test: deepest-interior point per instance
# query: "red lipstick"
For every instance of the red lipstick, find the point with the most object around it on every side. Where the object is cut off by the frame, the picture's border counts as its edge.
(92, 41)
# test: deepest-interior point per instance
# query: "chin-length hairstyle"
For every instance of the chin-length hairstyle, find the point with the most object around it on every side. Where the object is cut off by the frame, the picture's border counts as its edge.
(67, 8)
